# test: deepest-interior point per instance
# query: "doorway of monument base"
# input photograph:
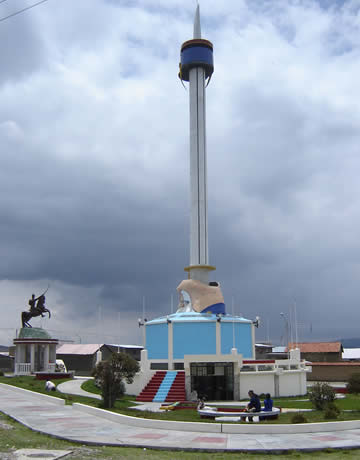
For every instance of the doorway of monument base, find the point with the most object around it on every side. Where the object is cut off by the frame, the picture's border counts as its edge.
(213, 381)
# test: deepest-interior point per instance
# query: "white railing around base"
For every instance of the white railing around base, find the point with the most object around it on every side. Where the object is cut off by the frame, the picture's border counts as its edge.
(25, 368)
(22, 368)
(279, 365)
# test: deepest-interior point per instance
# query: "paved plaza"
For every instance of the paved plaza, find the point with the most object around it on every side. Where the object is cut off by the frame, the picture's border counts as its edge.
(42, 413)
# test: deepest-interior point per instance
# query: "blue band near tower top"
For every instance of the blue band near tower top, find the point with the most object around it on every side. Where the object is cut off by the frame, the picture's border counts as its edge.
(196, 53)
(217, 308)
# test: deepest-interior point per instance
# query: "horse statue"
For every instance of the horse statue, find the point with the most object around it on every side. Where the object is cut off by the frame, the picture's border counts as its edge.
(37, 308)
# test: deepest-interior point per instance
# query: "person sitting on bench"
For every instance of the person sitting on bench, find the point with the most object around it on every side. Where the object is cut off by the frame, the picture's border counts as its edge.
(254, 404)
(268, 403)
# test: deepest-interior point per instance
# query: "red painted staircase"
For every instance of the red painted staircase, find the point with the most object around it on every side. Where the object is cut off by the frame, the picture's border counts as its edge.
(148, 393)
(177, 390)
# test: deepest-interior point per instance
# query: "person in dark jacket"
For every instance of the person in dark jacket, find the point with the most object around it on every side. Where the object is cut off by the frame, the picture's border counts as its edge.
(254, 404)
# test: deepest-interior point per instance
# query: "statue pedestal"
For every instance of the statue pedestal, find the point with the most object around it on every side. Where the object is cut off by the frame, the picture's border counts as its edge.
(35, 351)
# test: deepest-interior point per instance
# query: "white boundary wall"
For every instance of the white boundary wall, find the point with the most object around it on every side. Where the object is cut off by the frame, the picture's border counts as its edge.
(292, 383)
(140, 381)
(263, 382)
(142, 378)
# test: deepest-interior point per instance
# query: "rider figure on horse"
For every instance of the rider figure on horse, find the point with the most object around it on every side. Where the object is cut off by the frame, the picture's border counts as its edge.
(37, 308)
(32, 302)
(40, 306)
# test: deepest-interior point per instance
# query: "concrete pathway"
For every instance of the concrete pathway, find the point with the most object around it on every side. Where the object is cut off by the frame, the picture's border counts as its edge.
(49, 415)
(73, 387)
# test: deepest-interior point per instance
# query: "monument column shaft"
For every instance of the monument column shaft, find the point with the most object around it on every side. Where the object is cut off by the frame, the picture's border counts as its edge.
(198, 172)
(196, 67)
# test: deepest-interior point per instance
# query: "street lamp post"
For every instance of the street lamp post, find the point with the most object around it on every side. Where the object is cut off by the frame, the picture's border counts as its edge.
(286, 321)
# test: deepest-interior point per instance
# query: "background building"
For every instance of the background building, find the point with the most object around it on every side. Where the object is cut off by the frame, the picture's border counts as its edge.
(319, 351)
(82, 358)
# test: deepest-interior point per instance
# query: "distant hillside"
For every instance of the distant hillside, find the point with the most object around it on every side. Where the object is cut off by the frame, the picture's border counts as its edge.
(350, 343)
(4, 348)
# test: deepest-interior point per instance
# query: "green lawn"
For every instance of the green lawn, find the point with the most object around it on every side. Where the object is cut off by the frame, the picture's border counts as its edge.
(350, 402)
(89, 385)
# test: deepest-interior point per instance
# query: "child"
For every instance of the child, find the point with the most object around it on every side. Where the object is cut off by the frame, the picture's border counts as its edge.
(268, 403)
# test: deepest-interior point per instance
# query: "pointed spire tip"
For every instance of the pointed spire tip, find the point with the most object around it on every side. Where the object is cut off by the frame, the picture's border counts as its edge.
(197, 26)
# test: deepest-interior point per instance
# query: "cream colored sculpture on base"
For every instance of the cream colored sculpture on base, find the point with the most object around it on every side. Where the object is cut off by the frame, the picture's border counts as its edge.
(200, 297)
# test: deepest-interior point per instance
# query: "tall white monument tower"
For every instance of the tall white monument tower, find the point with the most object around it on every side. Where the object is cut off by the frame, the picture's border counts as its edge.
(196, 67)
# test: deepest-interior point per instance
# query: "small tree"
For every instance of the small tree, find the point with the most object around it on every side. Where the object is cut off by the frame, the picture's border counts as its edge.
(110, 374)
(321, 394)
(353, 385)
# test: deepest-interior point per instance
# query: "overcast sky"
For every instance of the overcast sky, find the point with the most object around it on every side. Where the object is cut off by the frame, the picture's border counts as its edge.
(94, 165)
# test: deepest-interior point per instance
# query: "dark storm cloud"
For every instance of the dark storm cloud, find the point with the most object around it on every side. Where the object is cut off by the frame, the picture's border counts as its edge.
(79, 228)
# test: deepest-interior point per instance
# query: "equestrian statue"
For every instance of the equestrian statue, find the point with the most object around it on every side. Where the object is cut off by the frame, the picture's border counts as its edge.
(37, 308)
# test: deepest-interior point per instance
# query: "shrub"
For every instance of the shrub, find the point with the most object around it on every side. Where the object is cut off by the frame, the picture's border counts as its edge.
(334, 407)
(353, 385)
(1, 374)
(321, 394)
(331, 411)
(298, 418)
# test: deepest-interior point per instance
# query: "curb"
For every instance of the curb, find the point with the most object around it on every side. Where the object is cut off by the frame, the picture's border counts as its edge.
(226, 428)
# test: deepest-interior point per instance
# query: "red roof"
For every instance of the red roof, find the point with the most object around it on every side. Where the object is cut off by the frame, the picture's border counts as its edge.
(318, 347)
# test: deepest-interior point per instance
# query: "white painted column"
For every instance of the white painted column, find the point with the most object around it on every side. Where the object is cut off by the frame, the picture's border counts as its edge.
(32, 357)
(52, 351)
(46, 357)
(18, 354)
(253, 341)
(218, 338)
(170, 346)
(144, 362)
(17, 357)
(198, 169)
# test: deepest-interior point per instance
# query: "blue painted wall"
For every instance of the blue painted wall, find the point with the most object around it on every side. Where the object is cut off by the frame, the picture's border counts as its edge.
(194, 339)
(243, 340)
(157, 341)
